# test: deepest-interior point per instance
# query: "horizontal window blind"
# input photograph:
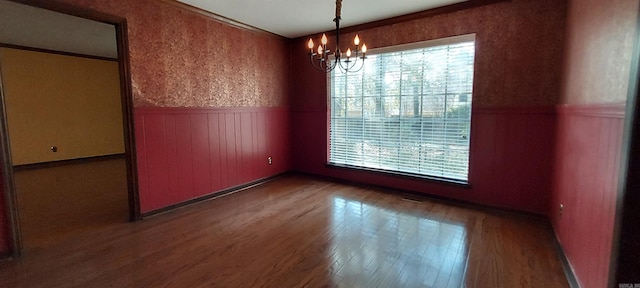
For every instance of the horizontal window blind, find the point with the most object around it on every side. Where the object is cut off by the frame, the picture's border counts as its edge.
(406, 111)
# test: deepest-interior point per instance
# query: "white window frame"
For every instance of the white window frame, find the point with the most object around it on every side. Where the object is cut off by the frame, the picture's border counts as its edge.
(399, 48)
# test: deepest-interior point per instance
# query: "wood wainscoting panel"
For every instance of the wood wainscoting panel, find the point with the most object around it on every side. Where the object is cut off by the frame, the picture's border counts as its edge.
(588, 153)
(187, 153)
(510, 165)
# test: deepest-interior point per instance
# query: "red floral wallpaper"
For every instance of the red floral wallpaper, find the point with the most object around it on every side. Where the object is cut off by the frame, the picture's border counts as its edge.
(519, 47)
(183, 59)
(600, 37)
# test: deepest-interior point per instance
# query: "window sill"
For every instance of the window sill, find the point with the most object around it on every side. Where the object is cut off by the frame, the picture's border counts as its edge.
(446, 181)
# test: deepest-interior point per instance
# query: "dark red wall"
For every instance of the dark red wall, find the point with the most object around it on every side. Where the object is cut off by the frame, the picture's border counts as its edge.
(517, 81)
(180, 58)
(598, 49)
(510, 165)
(231, 101)
(526, 154)
(586, 175)
(185, 153)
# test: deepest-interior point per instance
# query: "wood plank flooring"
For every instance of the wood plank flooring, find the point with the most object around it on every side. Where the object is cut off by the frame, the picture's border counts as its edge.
(298, 231)
(62, 200)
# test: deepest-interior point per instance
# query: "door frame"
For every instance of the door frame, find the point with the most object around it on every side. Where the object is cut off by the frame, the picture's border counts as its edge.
(126, 96)
(623, 265)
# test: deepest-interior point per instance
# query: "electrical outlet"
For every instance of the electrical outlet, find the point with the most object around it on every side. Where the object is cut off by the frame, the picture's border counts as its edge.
(561, 208)
(270, 160)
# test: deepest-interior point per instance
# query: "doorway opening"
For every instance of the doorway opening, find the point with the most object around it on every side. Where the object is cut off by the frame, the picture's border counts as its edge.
(86, 177)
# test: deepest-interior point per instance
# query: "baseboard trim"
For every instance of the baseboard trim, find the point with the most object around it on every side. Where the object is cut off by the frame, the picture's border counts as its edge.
(212, 196)
(566, 266)
(56, 163)
(419, 195)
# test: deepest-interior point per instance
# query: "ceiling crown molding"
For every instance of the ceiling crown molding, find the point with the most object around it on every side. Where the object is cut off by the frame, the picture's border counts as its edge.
(221, 19)
(414, 16)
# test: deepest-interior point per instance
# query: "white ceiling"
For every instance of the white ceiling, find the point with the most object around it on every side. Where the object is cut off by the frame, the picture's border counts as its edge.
(34, 27)
(295, 18)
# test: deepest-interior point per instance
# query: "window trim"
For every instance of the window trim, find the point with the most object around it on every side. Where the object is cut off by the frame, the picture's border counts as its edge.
(435, 179)
(397, 48)
(423, 44)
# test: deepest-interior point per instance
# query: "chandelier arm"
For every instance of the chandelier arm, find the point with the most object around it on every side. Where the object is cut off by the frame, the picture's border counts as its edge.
(342, 69)
(350, 64)
(318, 66)
(359, 68)
(330, 67)
(346, 66)
(325, 63)
(322, 64)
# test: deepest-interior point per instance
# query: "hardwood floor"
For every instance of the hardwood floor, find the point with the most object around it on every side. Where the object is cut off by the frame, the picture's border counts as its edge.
(298, 231)
(63, 200)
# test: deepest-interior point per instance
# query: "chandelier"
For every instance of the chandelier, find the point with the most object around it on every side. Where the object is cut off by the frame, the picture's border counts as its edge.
(326, 60)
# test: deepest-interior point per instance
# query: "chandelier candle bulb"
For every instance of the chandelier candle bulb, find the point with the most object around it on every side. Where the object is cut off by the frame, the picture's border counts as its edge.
(324, 39)
(348, 53)
(356, 40)
(319, 49)
(364, 49)
(311, 45)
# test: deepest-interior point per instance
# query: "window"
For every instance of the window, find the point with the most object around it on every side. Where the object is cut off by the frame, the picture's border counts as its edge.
(408, 110)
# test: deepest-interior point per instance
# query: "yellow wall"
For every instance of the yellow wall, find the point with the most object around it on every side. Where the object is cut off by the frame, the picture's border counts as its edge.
(56, 100)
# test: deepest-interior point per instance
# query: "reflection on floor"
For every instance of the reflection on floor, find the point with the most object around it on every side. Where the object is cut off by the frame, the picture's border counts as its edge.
(59, 201)
(299, 231)
(368, 247)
